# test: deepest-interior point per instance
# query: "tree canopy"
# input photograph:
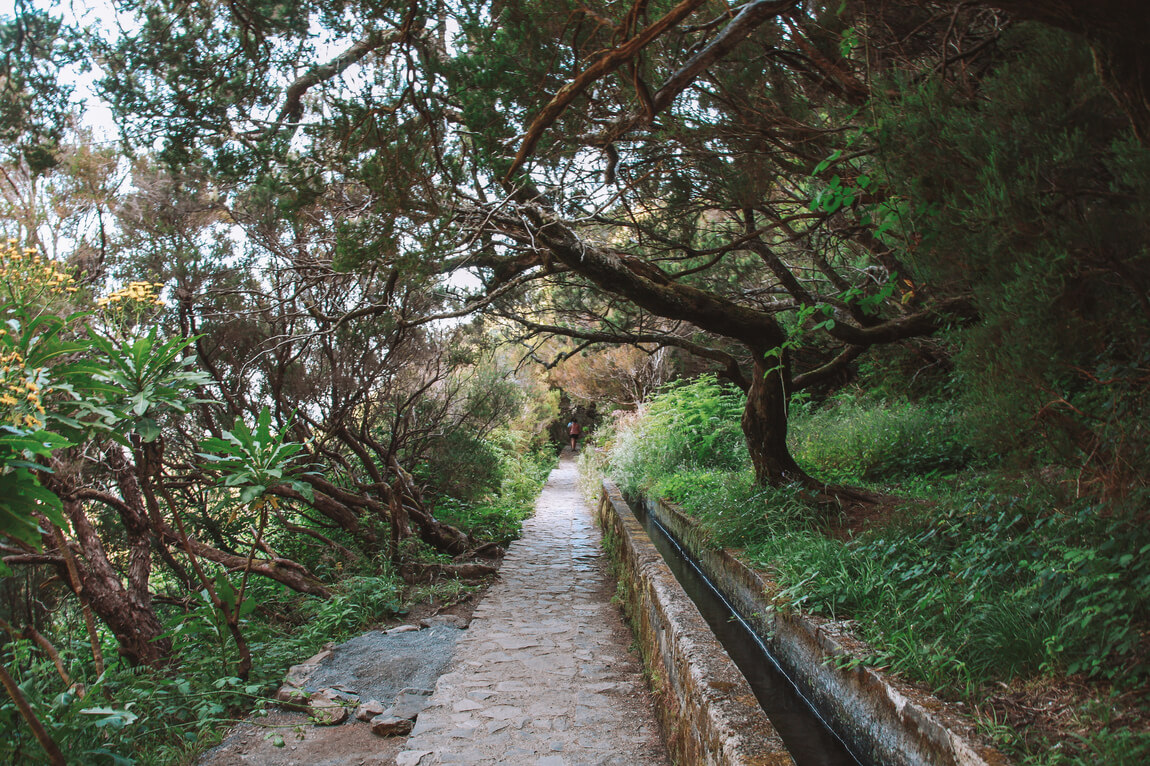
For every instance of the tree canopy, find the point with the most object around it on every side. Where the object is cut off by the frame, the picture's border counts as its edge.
(729, 172)
(269, 320)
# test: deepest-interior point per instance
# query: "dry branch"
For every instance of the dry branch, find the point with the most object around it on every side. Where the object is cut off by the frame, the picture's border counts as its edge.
(605, 64)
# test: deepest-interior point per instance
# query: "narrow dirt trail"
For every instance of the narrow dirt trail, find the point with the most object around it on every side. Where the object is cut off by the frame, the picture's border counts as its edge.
(543, 677)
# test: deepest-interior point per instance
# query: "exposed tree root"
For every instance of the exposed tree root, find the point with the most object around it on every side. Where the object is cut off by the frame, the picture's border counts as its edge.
(415, 572)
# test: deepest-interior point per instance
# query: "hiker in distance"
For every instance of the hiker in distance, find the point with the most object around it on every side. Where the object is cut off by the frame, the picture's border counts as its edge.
(574, 430)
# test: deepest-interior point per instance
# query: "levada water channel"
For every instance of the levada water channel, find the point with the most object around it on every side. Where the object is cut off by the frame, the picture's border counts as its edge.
(807, 737)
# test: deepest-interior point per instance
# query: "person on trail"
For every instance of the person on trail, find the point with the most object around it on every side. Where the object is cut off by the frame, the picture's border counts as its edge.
(574, 430)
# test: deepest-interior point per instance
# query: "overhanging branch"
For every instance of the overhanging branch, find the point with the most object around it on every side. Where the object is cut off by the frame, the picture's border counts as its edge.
(605, 64)
(730, 364)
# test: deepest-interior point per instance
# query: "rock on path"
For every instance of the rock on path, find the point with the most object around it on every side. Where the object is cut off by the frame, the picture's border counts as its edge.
(543, 676)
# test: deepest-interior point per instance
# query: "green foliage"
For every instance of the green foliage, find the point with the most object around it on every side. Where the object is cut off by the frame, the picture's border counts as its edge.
(81, 726)
(465, 460)
(735, 511)
(1016, 182)
(969, 591)
(29, 344)
(134, 715)
(689, 425)
(133, 381)
(967, 594)
(497, 521)
(1113, 746)
(21, 494)
(852, 438)
(971, 588)
(462, 466)
(34, 101)
(254, 460)
(498, 514)
(360, 600)
(1038, 205)
(958, 596)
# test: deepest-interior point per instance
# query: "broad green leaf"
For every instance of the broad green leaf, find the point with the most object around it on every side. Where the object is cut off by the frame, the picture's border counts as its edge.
(248, 606)
(251, 492)
(148, 429)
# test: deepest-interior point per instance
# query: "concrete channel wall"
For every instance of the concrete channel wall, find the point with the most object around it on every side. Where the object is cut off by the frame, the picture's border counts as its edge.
(883, 722)
(709, 714)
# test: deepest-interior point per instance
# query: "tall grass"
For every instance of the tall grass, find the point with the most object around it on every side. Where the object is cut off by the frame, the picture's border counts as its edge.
(856, 438)
(688, 426)
(961, 591)
(957, 596)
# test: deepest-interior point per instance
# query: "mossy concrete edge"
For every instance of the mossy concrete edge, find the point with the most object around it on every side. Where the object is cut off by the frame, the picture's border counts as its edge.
(707, 711)
(883, 721)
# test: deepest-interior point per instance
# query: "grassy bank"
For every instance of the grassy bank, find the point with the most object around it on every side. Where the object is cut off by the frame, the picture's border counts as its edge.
(997, 589)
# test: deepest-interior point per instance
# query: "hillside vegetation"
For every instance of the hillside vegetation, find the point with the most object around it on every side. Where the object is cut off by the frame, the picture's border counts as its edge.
(296, 297)
(999, 587)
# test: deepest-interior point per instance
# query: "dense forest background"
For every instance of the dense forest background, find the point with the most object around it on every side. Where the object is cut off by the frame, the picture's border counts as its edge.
(298, 294)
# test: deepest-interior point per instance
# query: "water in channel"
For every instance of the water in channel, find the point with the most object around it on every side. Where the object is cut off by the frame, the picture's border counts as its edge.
(807, 738)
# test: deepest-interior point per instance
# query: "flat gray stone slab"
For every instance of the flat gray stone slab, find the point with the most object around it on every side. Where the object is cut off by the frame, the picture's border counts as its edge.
(415, 659)
(543, 676)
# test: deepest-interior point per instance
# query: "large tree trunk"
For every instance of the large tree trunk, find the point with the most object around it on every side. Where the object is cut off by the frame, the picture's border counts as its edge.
(129, 616)
(765, 424)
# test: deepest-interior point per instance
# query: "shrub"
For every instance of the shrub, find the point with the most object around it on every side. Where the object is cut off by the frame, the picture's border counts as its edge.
(688, 425)
(1055, 367)
(519, 472)
(734, 510)
(460, 465)
(136, 715)
(857, 438)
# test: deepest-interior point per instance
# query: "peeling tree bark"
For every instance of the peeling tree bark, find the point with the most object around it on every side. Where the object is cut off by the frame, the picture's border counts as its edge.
(131, 619)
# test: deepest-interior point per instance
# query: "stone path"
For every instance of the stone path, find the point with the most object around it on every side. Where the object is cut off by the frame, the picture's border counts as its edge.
(543, 676)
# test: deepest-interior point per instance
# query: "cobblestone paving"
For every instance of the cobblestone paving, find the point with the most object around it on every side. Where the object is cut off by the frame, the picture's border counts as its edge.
(543, 676)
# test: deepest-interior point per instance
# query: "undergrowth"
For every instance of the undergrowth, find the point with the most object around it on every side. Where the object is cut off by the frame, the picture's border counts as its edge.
(132, 715)
(984, 581)
(498, 516)
(855, 438)
(141, 715)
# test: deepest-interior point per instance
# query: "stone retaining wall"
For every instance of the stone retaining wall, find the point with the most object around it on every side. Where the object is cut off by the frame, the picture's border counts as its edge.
(708, 712)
